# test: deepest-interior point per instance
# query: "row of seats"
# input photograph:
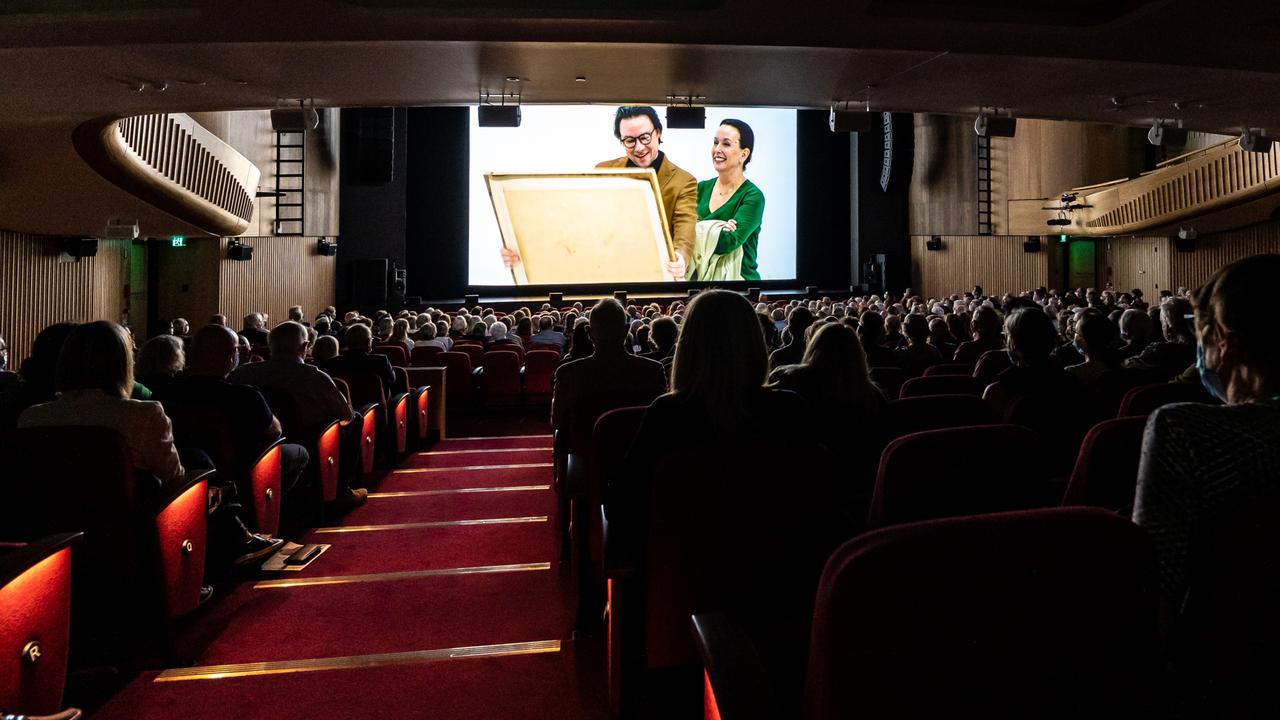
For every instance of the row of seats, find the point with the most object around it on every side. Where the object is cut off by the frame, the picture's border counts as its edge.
(929, 473)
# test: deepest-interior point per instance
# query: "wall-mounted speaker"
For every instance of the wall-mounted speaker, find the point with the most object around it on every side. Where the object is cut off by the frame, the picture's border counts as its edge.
(399, 284)
(988, 126)
(326, 247)
(555, 300)
(1184, 244)
(933, 243)
(241, 253)
(1031, 244)
(80, 247)
(686, 118)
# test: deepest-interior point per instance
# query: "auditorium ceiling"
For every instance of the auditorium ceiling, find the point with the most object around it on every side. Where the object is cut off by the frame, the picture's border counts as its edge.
(1112, 61)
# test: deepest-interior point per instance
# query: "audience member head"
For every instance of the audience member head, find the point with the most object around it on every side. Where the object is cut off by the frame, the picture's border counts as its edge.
(916, 328)
(798, 322)
(215, 352)
(181, 327)
(663, 332)
(96, 356)
(580, 341)
(295, 313)
(834, 350)
(428, 331)
(720, 356)
(38, 370)
(400, 330)
(939, 333)
(161, 356)
(608, 323)
(1135, 327)
(986, 323)
(218, 320)
(545, 323)
(498, 331)
(253, 321)
(524, 326)
(326, 348)
(1031, 337)
(870, 328)
(359, 339)
(1238, 348)
(1175, 314)
(1097, 336)
(288, 340)
(385, 326)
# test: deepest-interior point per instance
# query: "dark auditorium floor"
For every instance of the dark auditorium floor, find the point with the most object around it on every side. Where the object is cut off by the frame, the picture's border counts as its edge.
(441, 598)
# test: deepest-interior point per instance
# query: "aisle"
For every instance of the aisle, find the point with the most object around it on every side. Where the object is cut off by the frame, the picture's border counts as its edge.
(442, 597)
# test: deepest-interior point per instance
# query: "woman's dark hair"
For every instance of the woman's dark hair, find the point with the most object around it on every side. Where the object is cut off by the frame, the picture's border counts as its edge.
(836, 355)
(38, 369)
(631, 111)
(1031, 335)
(96, 356)
(580, 344)
(747, 138)
(1099, 335)
(720, 357)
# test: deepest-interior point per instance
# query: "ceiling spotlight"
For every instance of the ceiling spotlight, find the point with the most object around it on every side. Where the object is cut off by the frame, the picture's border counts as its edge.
(513, 78)
(1256, 141)
(1059, 221)
(580, 78)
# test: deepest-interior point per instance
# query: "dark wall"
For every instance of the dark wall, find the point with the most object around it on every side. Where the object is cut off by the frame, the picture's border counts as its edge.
(437, 227)
(372, 222)
(822, 202)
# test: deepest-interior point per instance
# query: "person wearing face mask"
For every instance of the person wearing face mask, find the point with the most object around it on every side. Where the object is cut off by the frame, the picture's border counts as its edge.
(1202, 466)
(639, 130)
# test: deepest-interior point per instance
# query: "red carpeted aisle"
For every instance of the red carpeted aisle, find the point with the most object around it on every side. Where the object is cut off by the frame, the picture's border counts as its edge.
(442, 597)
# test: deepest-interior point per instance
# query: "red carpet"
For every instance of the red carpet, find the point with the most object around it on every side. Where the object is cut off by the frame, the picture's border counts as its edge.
(388, 639)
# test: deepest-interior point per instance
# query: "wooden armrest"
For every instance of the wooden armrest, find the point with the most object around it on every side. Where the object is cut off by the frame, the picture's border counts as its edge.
(736, 679)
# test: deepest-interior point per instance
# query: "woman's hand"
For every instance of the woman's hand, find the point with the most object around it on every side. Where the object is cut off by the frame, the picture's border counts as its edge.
(510, 258)
(731, 226)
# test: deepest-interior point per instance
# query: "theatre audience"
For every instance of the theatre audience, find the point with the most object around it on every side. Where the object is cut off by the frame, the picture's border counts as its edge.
(547, 334)
(359, 359)
(1207, 472)
(160, 359)
(917, 354)
(608, 378)
(314, 400)
(580, 345)
(255, 329)
(1031, 339)
(794, 337)
(1135, 331)
(498, 337)
(325, 349)
(1177, 352)
(985, 332)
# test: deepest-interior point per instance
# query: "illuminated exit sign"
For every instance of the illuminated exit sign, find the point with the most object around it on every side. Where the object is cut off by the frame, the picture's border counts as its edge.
(178, 240)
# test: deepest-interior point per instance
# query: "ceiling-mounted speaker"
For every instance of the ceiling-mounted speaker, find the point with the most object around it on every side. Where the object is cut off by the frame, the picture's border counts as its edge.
(505, 116)
(847, 121)
(294, 119)
(684, 117)
(989, 126)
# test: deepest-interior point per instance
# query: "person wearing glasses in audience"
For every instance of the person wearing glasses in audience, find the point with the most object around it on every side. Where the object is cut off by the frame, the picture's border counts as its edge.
(639, 130)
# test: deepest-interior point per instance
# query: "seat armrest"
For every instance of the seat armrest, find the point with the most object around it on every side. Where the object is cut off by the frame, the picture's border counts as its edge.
(615, 567)
(736, 682)
(174, 489)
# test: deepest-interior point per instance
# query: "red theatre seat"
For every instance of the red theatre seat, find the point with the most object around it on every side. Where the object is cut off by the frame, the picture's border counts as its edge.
(949, 369)
(141, 563)
(426, 355)
(1106, 470)
(959, 471)
(539, 370)
(460, 384)
(999, 617)
(321, 442)
(369, 400)
(933, 412)
(395, 352)
(501, 378)
(35, 603)
(475, 351)
(991, 364)
(1142, 401)
(942, 385)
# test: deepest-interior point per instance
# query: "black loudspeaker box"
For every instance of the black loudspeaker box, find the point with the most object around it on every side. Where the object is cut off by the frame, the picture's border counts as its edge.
(555, 300)
(471, 301)
(933, 243)
(620, 296)
(1031, 244)
(80, 247)
(1184, 245)
(753, 294)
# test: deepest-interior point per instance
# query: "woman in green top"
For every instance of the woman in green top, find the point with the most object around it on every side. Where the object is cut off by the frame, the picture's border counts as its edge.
(731, 197)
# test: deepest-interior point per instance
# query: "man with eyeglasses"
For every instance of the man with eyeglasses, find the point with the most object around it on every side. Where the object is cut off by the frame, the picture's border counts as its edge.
(639, 130)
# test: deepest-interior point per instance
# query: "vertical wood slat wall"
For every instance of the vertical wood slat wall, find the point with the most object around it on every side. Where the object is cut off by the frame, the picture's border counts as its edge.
(1139, 262)
(37, 289)
(1191, 269)
(284, 271)
(996, 262)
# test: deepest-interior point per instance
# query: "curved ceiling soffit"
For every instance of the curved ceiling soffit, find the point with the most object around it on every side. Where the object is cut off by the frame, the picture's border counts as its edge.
(173, 163)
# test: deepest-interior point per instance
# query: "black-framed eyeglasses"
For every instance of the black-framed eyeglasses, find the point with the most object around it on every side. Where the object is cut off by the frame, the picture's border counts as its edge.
(643, 139)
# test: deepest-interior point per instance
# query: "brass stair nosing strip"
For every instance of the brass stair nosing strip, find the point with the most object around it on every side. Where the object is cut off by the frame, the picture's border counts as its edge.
(484, 450)
(512, 466)
(350, 662)
(459, 491)
(404, 575)
(432, 524)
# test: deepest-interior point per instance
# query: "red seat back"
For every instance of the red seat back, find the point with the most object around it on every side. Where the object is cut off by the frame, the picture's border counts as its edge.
(614, 432)
(395, 352)
(991, 364)
(1142, 401)
(474, 351)
(501, 378)
(1043, 613)
(539, 369)
(35, 602)
(1106, 470)
(959, 471)
(426, 355)
(942, 385)
(933, 412)
(459, 384)
(949, 369)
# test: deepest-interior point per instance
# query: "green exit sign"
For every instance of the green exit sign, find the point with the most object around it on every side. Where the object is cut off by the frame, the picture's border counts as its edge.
(178, 240)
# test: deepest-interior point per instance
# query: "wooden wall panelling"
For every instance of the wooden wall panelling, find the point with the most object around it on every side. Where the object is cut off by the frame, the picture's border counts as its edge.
(188, 280)
(1213, 251)
(997, 263)
(944, 183)
(38, 289)
(284, 271)
(1139, 262)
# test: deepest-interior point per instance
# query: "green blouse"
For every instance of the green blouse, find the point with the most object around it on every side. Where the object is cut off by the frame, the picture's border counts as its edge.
(746, 206)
